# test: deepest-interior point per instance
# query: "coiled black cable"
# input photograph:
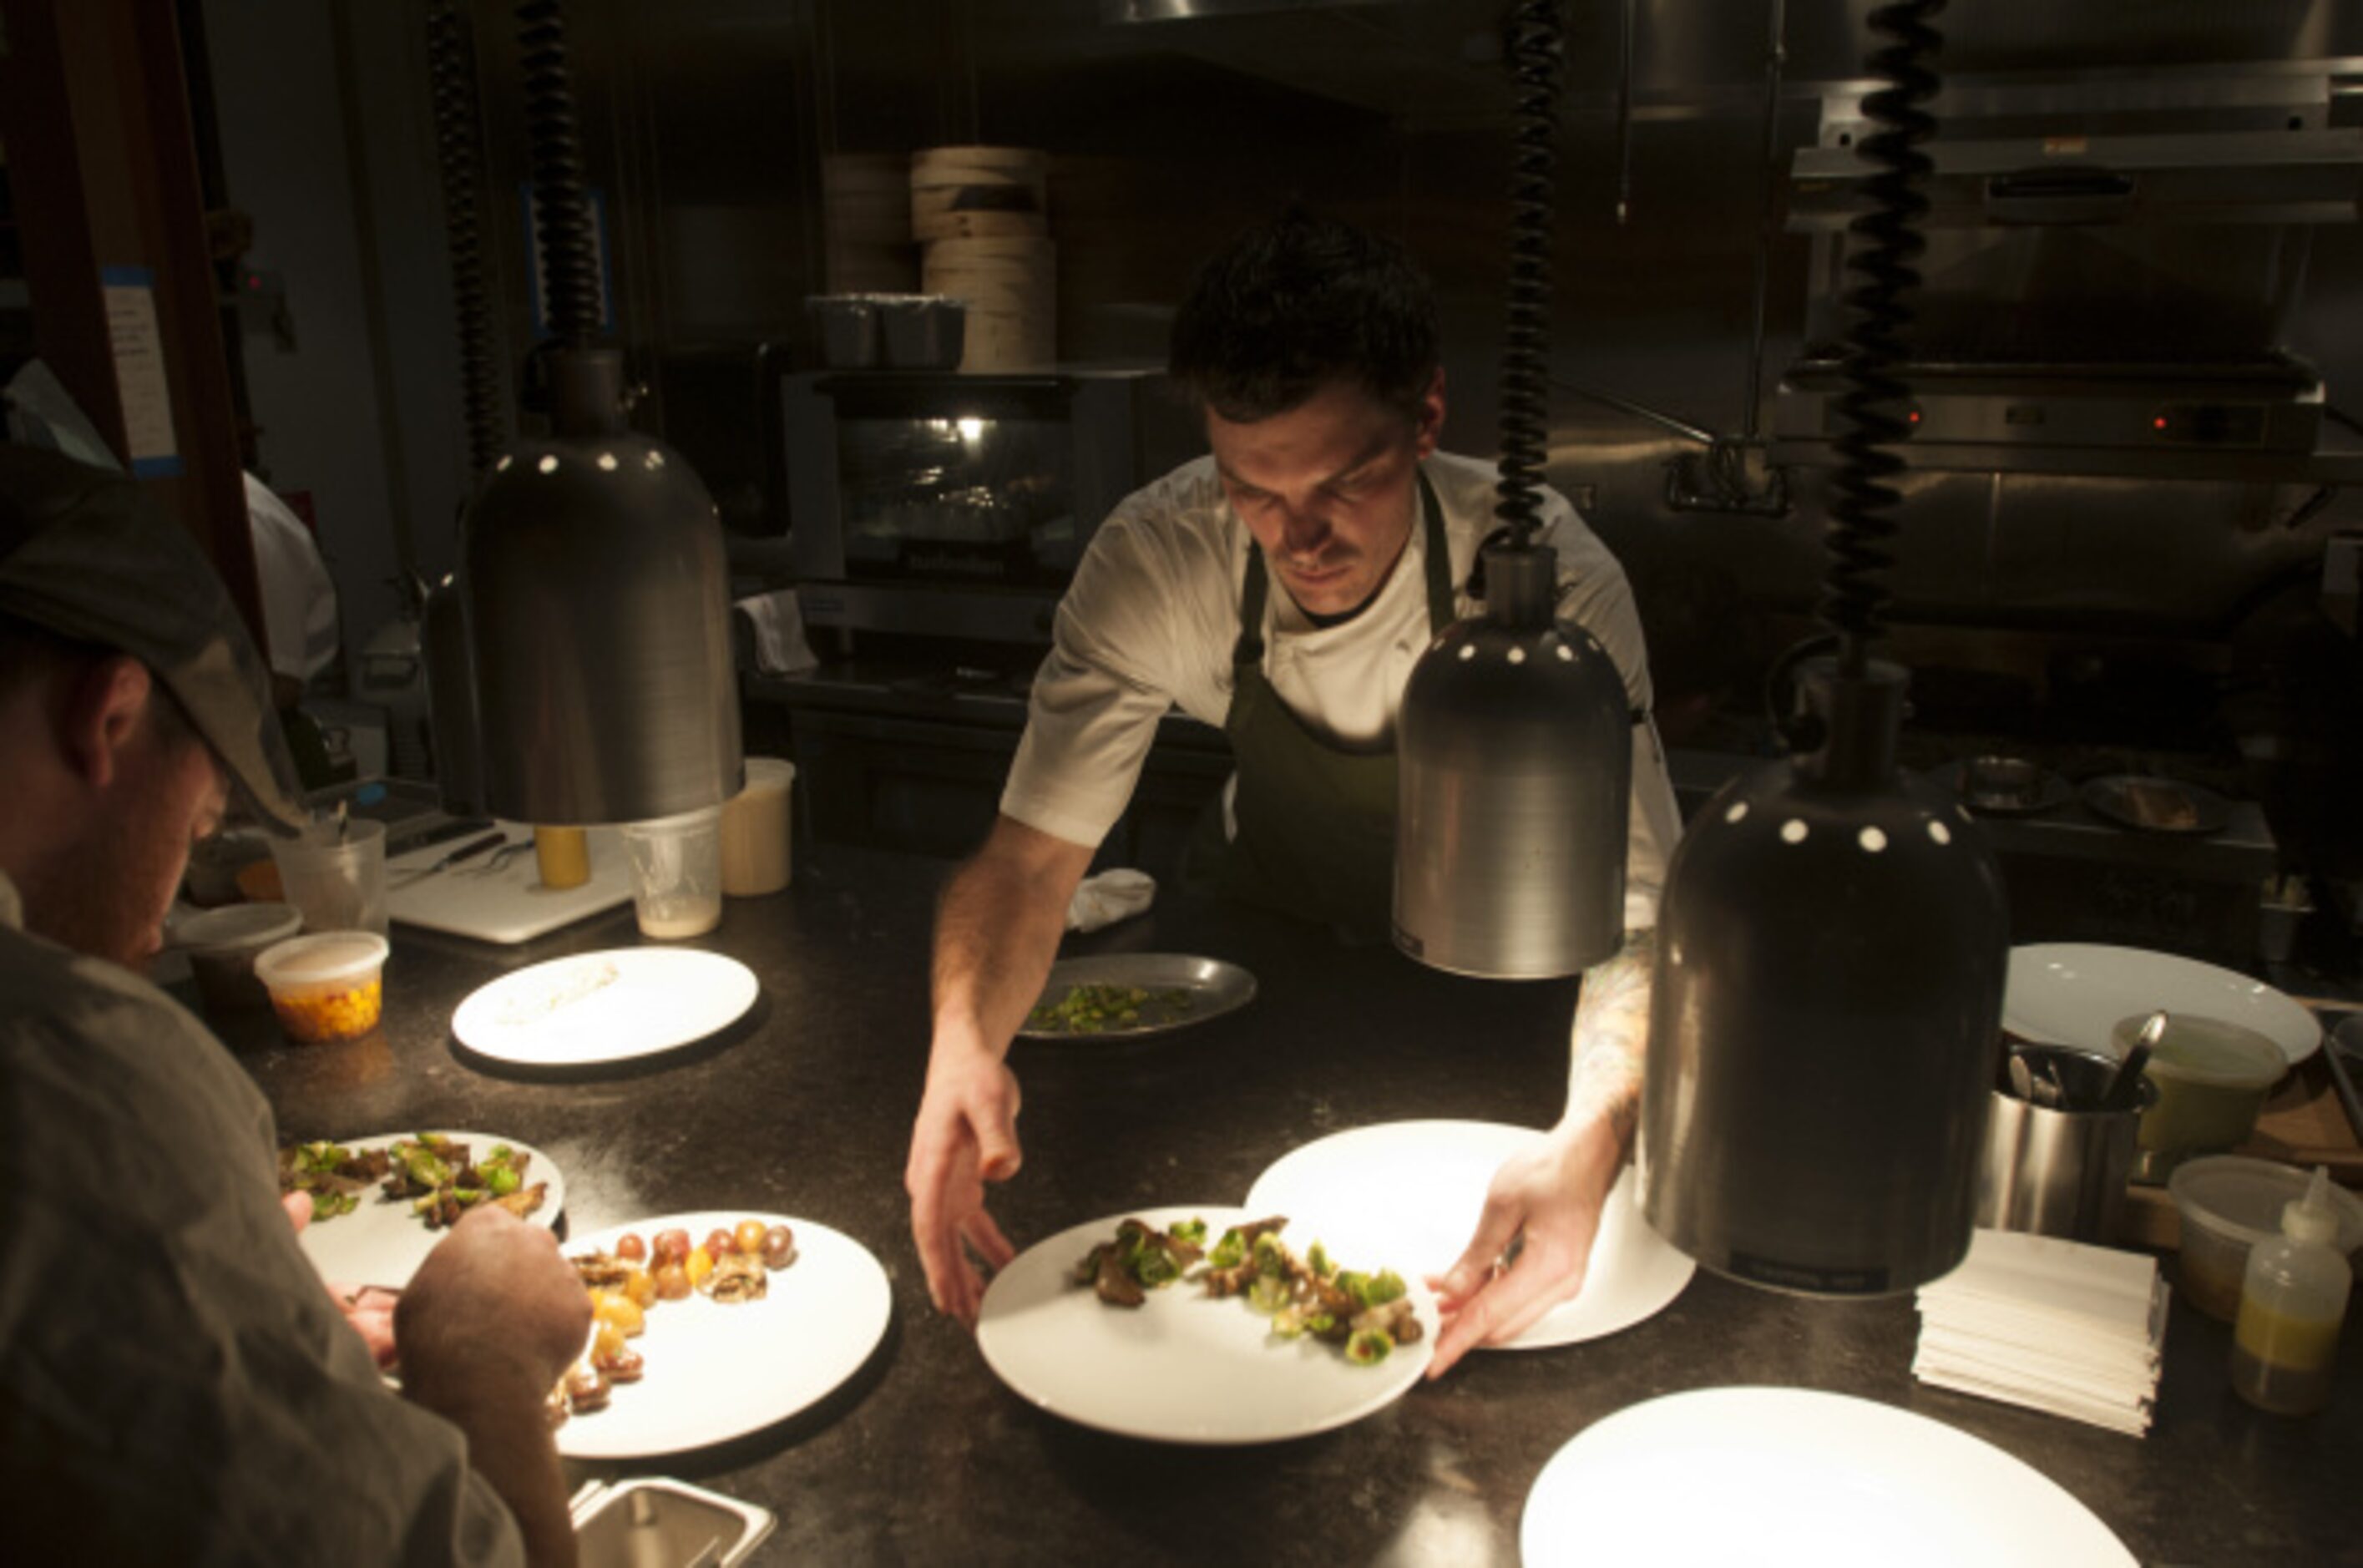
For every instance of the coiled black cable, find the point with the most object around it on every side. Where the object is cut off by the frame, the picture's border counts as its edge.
(570, 258)
(459, 147)
(1871, 411)
(1537, 53)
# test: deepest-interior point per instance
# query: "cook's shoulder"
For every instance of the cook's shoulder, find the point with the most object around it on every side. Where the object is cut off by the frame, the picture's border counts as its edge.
(1467, 488)
(1181, 513)
(1158, 580)
(74, 1020)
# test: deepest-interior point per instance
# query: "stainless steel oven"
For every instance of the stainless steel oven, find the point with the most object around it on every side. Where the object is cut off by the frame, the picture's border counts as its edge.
(957, 505)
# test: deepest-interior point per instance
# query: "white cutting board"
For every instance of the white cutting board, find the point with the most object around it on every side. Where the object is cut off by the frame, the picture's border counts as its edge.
(511, 905)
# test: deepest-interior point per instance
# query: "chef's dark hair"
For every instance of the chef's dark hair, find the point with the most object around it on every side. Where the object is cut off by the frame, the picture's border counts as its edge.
(1292, 306)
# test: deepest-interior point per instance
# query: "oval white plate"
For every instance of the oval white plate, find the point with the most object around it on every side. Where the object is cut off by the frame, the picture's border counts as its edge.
(382, 1242)
(1184, 1367)
(2074, 993)
(1411, 1192)
(717, 1371)
(1789, 1475)
(605, 1006)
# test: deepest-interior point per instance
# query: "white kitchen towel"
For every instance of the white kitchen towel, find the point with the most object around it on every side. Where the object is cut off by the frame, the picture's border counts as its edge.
(1112, 895)
(779, 623)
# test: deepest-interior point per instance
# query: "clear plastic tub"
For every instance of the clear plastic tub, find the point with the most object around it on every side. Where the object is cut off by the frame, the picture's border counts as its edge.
(327, 986)
(222, 944)
(2229, 1203)
(2212, 1078)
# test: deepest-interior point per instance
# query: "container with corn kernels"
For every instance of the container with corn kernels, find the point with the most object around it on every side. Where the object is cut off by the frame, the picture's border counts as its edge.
(326, 986)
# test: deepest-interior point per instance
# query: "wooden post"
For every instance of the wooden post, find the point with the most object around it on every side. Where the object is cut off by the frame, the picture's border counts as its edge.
(102, 165)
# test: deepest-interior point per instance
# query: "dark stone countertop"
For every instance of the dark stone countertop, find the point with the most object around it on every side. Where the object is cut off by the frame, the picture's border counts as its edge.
(924, 1457)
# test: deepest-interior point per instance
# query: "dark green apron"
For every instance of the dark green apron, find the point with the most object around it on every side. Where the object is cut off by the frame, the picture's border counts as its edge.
(1316, 823)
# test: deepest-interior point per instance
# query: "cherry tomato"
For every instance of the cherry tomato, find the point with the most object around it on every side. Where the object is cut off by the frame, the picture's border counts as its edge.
(671, 1282)
(640, 1287)
(700, 1265)
(606, 1344)
(720, 1242)
(630, 1248)
(779, 1246)
(672, 1246)
(748, 1237)
(620, 1312)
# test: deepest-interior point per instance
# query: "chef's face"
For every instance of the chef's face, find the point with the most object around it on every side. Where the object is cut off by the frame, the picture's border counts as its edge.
(1329, 489)
(167, 792)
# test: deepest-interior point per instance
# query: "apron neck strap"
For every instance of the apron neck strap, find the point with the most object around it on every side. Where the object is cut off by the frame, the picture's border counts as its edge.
(1435, 547)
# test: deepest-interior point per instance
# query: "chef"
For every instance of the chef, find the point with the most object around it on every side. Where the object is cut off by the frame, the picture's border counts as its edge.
(1282, 587)
(175, 1386)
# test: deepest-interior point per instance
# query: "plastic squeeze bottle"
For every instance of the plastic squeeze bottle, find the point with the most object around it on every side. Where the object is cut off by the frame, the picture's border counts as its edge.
(2292, 1303)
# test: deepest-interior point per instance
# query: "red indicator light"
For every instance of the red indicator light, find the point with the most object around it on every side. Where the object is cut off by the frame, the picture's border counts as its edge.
(2158, 423)
(1913, 417)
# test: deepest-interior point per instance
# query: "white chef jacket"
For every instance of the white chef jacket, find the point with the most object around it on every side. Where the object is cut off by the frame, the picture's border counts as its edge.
(1150, 621)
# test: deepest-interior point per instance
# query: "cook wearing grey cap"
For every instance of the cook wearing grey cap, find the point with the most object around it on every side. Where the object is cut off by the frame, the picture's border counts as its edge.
(86, 555)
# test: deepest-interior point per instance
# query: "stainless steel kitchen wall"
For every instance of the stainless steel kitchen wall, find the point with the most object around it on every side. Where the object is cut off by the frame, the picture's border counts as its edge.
(706, 124)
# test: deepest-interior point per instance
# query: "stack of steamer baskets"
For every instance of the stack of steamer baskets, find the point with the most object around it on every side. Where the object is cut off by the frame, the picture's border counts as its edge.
(981, 217)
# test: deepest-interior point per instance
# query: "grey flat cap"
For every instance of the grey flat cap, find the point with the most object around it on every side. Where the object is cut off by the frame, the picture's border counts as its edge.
(85, 555)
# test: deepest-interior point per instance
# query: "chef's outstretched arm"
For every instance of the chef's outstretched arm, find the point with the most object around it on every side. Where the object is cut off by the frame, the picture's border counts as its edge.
(997, 931)
(1552, 1194)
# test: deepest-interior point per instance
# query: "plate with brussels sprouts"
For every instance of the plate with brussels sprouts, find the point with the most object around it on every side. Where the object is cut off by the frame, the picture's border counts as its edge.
(1204, 1324)
(379, 1204)
(1121, 996)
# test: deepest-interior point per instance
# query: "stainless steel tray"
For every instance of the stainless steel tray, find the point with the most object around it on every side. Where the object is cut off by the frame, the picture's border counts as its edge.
(1209, 987)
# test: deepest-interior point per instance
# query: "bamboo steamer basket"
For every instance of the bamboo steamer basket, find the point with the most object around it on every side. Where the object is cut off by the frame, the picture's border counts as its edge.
(976, 192)
(1011, 290)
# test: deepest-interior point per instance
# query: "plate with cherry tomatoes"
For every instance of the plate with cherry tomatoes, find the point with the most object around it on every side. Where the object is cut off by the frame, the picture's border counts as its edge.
(710, 1326)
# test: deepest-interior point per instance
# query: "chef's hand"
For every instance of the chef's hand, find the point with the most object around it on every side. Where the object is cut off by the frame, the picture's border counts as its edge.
(493, 1297)
(966, 1136)
(368, 1307)
(1551, 1194)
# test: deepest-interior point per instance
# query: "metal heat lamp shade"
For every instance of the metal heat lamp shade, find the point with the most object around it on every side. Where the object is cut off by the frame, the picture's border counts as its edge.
(1515, 743)
(1824, 1024)
(597, 597)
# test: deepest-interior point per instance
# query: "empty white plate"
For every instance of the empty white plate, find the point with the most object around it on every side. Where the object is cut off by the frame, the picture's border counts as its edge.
(1789, 1475)
(1411, 1192)
(605, 1006)
(2074, 993)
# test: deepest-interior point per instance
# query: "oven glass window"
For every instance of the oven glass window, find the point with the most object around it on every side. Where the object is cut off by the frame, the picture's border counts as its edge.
(980, 499)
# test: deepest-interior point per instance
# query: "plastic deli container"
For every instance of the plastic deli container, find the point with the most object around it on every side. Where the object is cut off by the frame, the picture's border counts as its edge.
(2229, 1203)
(2211, 1079)
(326, 986)
(222, 944)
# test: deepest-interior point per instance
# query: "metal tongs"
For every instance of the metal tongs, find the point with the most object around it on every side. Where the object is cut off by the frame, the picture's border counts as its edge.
(466, 852)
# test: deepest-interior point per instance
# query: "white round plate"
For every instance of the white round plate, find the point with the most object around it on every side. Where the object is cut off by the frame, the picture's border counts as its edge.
(1788, 1475)
(1411, 1192)
(717, 1371)
(605, 1006)
(1184, 1367)
(2073, 993)
(382, 1242)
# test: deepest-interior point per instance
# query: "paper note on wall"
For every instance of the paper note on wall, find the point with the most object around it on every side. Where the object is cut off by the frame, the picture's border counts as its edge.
(139, 377)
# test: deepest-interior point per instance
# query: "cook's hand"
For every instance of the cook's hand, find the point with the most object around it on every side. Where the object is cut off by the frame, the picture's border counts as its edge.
(494, 1295)
(368, 1307)
(1550, 1193)
(966, 1135)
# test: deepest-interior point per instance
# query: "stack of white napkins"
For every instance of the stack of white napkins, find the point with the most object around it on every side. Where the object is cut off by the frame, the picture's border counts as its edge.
(2053, 1325)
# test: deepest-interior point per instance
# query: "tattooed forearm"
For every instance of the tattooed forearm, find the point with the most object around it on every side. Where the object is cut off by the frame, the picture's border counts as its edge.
(1611, 1036)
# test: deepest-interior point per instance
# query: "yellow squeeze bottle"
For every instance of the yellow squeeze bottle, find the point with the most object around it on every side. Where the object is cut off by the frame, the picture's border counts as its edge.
(2292, 1300)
